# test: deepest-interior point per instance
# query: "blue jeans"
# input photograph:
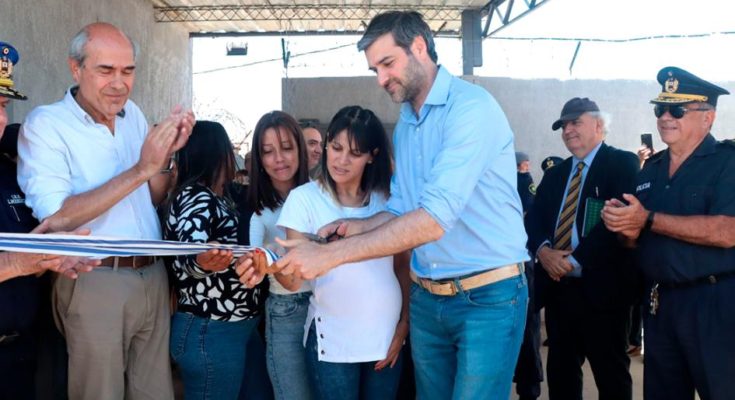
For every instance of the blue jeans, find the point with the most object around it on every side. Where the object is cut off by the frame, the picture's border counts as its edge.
(284, 335)
(210, 354)
(349, 381)
(466, 346)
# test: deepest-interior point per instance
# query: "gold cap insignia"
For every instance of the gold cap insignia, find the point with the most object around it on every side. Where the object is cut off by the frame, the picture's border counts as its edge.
(671, 85)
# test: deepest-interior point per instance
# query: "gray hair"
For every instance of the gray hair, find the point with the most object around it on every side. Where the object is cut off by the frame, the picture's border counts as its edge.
(606, 119)
(80, 40)
(404, 26)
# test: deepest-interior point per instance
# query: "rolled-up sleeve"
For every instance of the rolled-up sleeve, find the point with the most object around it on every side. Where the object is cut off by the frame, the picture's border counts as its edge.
(395, 203)
(43, 168)
(473, 139)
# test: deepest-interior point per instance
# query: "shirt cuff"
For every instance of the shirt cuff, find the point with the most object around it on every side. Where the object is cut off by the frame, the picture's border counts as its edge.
(577, 271)
(545, 243)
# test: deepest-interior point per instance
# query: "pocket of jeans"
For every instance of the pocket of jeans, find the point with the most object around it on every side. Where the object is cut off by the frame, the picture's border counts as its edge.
(414, 287)
(500, 294)
(282, 309)
(180, 327)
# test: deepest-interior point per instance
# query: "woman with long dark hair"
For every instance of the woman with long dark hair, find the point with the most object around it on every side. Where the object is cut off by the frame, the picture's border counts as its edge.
(279, 165)
(215, 312)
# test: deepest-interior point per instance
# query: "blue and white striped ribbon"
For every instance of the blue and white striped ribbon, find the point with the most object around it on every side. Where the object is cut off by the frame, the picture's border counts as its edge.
(103, 246)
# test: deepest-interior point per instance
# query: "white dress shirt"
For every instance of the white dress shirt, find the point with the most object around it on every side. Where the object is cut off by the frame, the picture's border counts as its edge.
(63, 152)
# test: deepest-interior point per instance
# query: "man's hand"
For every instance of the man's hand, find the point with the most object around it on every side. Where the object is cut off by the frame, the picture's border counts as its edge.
(305, 259)
(184, 128)
(214, 260)
(69, 266)
(340, 228)
(555, 262)
(627, 220)
(163, 140)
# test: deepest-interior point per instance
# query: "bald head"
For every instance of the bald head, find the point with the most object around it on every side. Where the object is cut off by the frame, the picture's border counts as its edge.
(102, 62)
(98, 33)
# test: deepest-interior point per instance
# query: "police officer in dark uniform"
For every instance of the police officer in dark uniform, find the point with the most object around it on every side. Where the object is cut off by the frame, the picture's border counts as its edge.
(19, 289)
(682, 222)
(550, 162)
(529, 372)
(526, 188)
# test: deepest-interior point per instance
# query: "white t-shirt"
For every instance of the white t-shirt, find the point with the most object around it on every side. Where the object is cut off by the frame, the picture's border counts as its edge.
(357, 305)
(263, 232)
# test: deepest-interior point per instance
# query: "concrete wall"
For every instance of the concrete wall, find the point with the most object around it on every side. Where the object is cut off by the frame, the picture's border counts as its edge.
(530, 105)
(41, 31)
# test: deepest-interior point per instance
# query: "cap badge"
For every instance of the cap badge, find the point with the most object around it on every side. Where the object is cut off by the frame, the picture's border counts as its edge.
(671, 85)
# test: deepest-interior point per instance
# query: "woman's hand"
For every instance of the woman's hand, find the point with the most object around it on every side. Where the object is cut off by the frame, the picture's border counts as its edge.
(399, 338)
(251, 268)
(214, 260)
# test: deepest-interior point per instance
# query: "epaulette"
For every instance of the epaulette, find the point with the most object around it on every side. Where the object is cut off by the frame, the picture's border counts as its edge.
(730, 143)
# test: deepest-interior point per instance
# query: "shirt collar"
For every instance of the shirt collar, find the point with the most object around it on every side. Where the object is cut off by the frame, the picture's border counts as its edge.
(438, 94)
(706, 147)
(71, 102)
(588, 158)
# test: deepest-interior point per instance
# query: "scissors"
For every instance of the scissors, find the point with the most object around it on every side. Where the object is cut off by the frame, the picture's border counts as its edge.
(322, 240)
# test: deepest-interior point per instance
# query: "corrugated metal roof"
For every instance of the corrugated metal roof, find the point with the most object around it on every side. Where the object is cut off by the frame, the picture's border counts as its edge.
(297, 16)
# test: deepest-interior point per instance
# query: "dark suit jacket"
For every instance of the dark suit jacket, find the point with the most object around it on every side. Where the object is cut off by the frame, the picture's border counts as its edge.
(608, 275)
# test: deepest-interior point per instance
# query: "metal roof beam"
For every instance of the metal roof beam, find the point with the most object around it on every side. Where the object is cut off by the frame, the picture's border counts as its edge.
(298, 12)
(504, 11)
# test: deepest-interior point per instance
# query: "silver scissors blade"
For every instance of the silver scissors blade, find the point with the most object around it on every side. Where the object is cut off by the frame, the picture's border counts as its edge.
(313, 237)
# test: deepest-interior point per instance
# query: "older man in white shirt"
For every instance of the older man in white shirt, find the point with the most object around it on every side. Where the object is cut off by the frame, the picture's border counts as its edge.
(90, 161)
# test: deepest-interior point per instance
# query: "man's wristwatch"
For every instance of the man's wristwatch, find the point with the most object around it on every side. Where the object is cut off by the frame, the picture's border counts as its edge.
(649, 221)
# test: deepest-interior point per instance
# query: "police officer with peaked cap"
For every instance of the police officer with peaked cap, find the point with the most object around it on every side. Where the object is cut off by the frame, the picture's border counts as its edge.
(681, 219)
(550, 162)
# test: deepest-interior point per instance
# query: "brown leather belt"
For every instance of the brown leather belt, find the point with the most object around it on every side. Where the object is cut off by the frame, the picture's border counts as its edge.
(449, 287)
(133, 262)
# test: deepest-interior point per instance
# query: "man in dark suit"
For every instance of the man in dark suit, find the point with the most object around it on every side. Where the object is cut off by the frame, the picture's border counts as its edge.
(587, 275)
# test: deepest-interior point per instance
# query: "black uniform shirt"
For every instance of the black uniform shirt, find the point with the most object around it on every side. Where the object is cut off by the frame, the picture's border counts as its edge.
(526, 189)
(19, 298)
(703, 185)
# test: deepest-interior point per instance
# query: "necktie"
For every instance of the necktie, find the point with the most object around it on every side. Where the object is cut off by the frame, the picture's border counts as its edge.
(563, 233)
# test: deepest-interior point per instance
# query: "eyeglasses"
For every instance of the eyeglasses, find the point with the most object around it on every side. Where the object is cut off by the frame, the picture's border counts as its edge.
(677, 111)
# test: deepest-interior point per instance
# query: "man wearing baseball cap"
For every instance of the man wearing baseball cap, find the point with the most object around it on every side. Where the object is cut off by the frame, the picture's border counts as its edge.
(586, 276)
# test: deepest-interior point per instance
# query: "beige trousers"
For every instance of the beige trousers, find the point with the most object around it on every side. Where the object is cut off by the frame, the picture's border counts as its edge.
(116, 324)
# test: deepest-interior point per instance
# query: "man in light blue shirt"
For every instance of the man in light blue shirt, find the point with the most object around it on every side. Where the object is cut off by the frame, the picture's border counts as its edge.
(454, 202)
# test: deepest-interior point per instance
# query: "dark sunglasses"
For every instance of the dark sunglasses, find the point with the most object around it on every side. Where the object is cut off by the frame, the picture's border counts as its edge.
(677, 111)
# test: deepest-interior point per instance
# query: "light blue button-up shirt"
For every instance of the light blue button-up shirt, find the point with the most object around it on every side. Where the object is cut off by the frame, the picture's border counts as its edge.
(577, 271)
(456, 161)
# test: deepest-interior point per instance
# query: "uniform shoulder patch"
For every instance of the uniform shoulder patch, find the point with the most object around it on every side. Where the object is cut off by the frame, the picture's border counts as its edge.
(532, 189)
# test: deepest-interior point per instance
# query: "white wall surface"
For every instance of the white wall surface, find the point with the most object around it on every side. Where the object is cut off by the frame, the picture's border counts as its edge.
(41, 31)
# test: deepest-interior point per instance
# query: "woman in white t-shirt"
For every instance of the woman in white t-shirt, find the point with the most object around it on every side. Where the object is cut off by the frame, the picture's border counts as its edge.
(357, 320)
(279, 165)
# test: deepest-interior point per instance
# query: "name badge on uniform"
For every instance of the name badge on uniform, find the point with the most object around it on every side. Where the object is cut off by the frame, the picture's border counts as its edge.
(15, 199)
(642, 187)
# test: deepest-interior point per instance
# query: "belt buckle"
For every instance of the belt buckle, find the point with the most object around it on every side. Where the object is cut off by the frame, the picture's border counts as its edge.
(433, 287)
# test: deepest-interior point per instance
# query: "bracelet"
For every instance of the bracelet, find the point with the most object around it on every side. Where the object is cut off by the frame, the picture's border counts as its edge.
(649, 221)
